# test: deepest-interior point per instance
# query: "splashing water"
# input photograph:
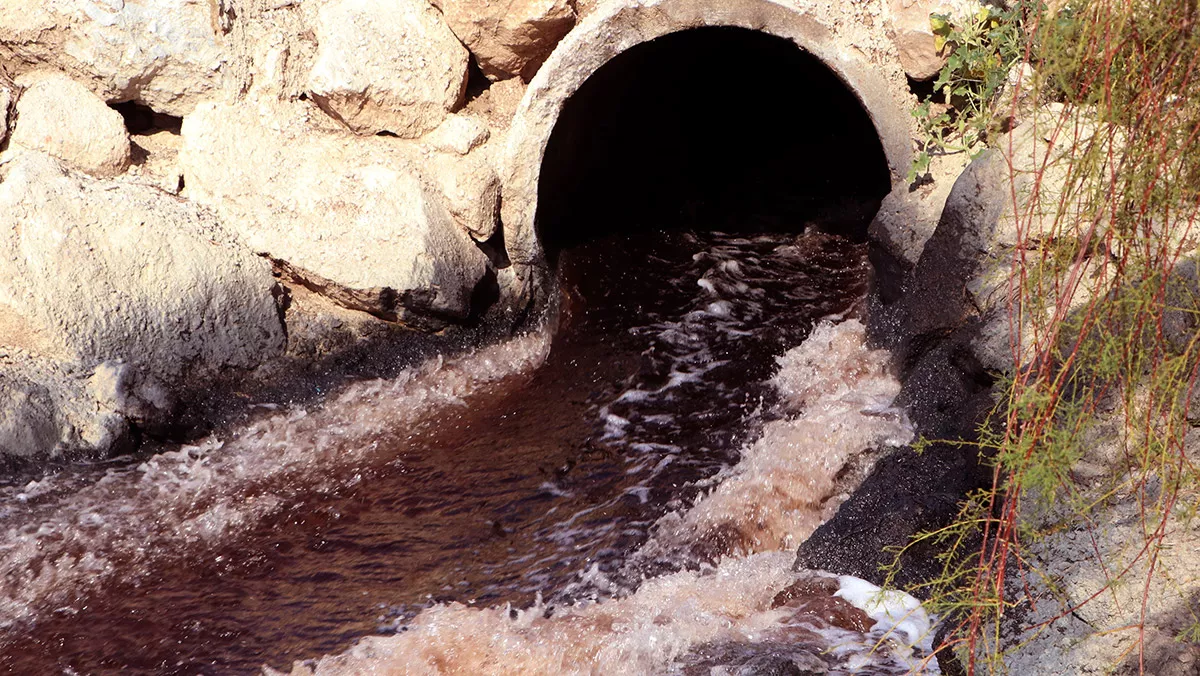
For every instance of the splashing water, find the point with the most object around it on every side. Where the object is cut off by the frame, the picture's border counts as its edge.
(647, 475)
(838, 395)
(179, 504)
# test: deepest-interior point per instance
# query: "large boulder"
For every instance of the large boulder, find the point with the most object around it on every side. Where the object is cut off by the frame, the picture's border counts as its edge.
(387, 65)
(350, 217)
(510, 38)
(961, 283)
(168, 54)
(125, 285)
(29, 423)
(63, 118)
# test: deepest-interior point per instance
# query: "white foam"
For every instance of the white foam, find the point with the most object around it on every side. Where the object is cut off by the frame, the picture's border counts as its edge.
(900, 621)
(896, 614)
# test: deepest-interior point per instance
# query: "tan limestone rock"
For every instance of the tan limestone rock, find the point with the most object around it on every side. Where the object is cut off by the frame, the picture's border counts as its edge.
(60, 116)
(349, 217)
(462, 169)
(114, 299)
(168, 54)
(497, 104)
(509, 38)
(907, 24)
(471, 190)
(908, 27)
(459, 134)
(81, 253)
(387, 65)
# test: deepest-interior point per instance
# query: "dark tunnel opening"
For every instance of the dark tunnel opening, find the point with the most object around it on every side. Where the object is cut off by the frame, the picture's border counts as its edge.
(712, 129)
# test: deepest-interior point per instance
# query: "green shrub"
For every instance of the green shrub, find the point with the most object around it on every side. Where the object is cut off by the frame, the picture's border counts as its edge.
(1125, 78)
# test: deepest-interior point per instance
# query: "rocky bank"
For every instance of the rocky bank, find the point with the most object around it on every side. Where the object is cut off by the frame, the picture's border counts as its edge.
(194, 194)
(228, 191)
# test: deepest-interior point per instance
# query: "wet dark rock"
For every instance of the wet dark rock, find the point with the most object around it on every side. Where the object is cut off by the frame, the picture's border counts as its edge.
(906, 494)
(805, 587)
(933, 327)
(815, 603)
(801, 658)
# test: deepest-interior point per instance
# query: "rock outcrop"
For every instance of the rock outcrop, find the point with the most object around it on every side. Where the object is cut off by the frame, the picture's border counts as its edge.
(470, 190)
(348, 216)
(59, 116)
(509, 39)
(387, 65)
(168, 54)
(122, 287)
(90, 253)
(128, 289)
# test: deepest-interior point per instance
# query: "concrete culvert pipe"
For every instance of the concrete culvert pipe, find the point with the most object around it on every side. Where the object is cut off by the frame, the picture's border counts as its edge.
(750, 114)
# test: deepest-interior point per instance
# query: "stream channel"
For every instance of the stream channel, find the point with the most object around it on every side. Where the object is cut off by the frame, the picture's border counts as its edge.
(619, 492)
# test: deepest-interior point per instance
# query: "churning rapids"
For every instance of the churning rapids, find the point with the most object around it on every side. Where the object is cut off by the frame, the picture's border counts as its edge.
(622, 494)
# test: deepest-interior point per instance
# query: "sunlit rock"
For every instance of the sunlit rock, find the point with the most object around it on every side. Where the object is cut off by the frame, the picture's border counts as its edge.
(471, 190)
(350, 217)
(98, 271)
(908, 25)
(459, 134)
(169, 54)
(510, 38)
(57, 115)
(387, 65)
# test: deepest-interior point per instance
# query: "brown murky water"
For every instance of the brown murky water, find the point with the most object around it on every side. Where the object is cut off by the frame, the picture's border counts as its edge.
(486, 480)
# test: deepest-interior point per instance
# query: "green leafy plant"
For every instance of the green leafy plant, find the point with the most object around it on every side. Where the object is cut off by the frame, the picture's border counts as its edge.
(981, 51)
